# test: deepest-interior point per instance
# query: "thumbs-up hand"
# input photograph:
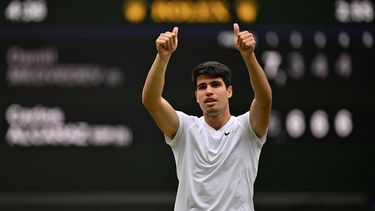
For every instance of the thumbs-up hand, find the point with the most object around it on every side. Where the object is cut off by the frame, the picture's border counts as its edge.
(243, 40)
(167, 42)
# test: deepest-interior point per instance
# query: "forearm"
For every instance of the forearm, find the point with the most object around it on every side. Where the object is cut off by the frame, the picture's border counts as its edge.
(153, 87)
(258, 79)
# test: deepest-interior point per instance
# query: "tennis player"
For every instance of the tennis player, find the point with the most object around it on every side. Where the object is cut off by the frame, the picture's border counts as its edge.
(216, 154)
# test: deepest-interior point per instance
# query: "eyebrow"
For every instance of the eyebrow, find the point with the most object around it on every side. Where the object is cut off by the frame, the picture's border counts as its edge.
(211, 82)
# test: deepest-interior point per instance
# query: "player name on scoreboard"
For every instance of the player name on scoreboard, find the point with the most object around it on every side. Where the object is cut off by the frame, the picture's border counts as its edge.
(188, 11)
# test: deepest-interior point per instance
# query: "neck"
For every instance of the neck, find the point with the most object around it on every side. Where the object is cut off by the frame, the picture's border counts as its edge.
(217, 121)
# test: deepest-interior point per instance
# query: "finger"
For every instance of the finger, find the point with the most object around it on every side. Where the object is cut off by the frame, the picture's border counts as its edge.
(167, 35)
(241, 41)
(175, 31)
(242, 45)
(163, 36)
(236, 29)
(164, 39)
(175, 37)
(245, 34)
(170, 39)
(170, 45)
(162, 42)
(250, 44)
(249, 39)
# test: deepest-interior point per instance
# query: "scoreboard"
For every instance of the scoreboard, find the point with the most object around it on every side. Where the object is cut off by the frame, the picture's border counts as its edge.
(71, 76)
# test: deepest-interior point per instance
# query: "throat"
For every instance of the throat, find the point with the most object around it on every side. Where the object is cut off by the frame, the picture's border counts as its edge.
(217, 122)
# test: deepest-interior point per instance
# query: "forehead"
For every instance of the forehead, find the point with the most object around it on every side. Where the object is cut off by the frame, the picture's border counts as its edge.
(208, 79)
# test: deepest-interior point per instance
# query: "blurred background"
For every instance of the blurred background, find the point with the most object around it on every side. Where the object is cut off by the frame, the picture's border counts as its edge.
(75, 136)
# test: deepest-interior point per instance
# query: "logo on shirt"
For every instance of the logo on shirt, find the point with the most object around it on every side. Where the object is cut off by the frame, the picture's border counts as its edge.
(226, 133)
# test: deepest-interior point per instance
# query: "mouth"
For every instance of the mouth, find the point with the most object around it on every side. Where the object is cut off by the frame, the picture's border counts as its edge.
(210, 101)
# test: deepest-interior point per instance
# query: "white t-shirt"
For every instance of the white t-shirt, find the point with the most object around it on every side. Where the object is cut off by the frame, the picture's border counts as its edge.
(216, 169)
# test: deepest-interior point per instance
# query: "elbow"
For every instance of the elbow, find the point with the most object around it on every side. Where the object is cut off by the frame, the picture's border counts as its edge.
(145, 99)
(268, 98)
(148, 102)
(265, 99)
(268, 95)
(267, 102)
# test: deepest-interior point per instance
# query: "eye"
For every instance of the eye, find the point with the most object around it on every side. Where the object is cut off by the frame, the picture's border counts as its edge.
(216, 84)
(201, 86)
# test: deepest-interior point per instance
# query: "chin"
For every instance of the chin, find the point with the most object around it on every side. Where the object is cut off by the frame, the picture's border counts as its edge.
(212, 112)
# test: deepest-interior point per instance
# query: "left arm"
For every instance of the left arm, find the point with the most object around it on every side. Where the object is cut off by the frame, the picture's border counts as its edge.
(260, 108)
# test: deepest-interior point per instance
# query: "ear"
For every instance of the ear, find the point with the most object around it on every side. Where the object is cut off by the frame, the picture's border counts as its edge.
(229, 91)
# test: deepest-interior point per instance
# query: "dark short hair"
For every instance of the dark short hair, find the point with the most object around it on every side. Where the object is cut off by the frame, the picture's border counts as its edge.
(214, 69)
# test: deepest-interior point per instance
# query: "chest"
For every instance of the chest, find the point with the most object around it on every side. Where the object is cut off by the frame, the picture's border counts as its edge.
(208, 147)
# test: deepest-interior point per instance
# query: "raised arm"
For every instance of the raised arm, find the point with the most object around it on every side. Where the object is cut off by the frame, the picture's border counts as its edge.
(161, 111)
(260, 108)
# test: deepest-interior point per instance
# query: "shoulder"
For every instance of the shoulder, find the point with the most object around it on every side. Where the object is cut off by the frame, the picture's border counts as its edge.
(186, 122)
(243, 122)
(185, 117)
(189, 121)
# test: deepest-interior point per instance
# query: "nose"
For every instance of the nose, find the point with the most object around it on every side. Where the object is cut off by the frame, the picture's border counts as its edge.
(209, 91)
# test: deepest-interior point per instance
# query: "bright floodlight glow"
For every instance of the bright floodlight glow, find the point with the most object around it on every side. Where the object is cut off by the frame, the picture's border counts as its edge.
(281, 78)
(343, 65)
(320, 39)
(295, 123)
(367, 39)
(319, 66)
(342, 11)
(272, 39)
(274, 127)
(296, 39)
(296, 65)
(343, 123)
(319, 125)
(225, 39)
(344, 39)
(272, 61)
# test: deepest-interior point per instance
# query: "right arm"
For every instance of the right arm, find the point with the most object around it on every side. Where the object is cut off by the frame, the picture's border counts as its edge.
(161, 111)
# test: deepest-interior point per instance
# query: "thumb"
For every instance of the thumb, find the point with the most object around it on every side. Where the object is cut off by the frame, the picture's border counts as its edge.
(175, 30)
(236, 29)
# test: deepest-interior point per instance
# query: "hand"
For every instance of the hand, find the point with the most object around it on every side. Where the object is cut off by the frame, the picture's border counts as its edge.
(167, 42)
(244, 41)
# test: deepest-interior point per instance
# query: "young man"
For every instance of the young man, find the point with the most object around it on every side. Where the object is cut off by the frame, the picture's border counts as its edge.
(217, 154)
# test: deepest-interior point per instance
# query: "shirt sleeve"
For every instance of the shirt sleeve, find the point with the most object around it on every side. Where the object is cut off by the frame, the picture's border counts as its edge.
(173, 142)
(245, 121)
